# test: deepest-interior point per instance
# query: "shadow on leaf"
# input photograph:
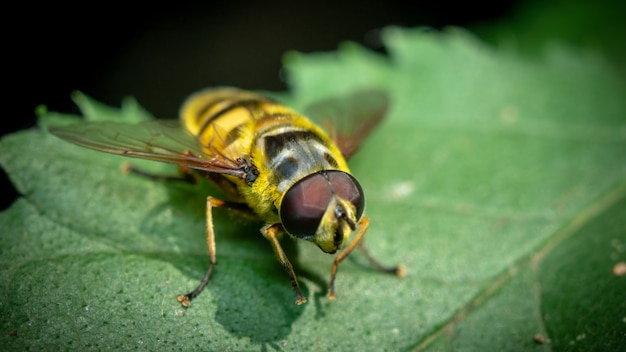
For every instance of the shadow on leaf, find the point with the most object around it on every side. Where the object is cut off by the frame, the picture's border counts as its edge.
(251, 290)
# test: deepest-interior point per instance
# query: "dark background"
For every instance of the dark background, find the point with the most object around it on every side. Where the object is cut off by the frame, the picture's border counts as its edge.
(160, 54)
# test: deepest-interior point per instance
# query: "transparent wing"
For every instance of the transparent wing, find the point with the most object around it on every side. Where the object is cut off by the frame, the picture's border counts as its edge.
(350, 119)
(159, 140)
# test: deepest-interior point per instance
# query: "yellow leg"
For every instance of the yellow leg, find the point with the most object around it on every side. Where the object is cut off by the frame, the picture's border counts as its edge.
(272, 233)
(210, 240)
(358, 240)
(398, 270)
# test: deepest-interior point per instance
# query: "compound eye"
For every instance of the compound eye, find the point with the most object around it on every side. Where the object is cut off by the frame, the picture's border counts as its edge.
(304, 205)
(348, 188)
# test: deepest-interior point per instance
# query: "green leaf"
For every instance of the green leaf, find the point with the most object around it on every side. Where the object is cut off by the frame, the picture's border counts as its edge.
(597, 25)
(498, 181)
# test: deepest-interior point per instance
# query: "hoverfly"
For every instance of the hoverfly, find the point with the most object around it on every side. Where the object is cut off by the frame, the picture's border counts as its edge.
(273, 162)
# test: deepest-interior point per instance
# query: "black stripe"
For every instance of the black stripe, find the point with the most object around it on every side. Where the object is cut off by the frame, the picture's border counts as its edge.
(236, 104)
(207, 107)
(274, 144)
(332, 161)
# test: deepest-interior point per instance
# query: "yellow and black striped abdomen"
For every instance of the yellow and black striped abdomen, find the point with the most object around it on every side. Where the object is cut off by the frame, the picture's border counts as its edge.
(221, 118)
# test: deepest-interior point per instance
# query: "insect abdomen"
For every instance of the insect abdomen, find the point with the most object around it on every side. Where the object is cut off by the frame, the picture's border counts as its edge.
(217, 116)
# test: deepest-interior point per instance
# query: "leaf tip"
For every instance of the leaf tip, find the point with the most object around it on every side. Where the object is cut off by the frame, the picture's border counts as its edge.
(78, 97)
(291, 57)
(41, 110)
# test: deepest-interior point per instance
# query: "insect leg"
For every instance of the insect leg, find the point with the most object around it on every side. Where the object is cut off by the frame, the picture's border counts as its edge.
(210, 239)
(272, 233)
(398, 270)
(358, 240)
